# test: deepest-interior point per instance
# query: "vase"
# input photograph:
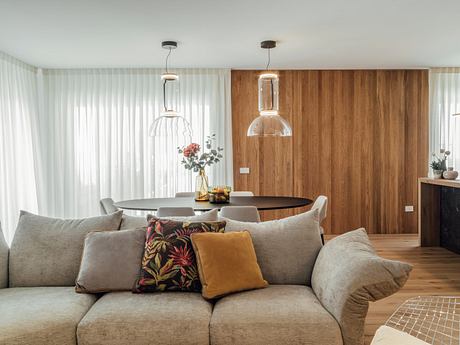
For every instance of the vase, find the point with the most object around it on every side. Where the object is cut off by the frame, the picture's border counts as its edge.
(201, 187)
(437, 174)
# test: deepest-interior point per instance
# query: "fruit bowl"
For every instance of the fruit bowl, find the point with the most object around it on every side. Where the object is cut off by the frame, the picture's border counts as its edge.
(219, 194)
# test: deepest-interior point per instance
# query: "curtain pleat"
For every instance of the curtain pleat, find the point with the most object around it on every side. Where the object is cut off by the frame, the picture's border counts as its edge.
(18, 121)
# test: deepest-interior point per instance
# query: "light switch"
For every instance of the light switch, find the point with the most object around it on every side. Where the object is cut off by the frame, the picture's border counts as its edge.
(409, 208)
(244, 170)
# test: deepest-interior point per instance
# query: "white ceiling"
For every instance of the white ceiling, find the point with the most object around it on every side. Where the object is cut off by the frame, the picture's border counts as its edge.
(226, 33)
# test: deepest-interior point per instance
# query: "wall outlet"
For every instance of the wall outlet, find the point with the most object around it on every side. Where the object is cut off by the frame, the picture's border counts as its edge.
(244, 170)
(409, 208)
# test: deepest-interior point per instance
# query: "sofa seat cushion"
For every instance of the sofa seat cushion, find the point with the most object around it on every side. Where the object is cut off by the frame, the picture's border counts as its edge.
(120, 318)
(41, 315)
(279, 314)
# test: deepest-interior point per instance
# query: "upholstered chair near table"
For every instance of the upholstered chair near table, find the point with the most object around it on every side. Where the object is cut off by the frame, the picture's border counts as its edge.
(320, 204)
(185, 194)
(241, 193)
(107, 206)
(175, 212)
(241, 213)
(127, 221)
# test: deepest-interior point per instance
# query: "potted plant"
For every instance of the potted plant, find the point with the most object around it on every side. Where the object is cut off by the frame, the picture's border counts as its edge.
(195, 160)
(439, 164)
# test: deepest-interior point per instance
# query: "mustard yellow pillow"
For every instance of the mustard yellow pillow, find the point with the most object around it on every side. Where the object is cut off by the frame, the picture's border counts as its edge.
(227, 263)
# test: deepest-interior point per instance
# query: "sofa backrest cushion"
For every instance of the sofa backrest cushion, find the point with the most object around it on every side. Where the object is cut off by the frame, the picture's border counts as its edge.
(47, 251)
(286, 248)
(111, 261)
(4, 253)
(132, 222)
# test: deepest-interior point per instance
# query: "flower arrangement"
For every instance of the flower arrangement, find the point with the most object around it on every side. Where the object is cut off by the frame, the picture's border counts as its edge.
(440, 163)
(194, 159)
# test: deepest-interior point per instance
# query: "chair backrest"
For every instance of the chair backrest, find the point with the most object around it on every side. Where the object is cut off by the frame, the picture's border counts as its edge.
(107, 206)
(241, 213)
(321, 205)
(241, 193)
(185, 194)
(175, 212)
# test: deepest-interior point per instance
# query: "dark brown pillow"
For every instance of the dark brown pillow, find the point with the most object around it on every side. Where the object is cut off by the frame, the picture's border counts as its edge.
(169, 262)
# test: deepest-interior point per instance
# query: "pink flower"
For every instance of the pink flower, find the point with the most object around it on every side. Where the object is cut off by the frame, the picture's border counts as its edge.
(191, 150)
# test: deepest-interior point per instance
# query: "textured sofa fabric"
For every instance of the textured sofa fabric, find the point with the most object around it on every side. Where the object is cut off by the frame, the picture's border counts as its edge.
(132, 222)
(278, 314)
(47, 251)
(4, 253)
(287, 248)
(41, 315)
(124, 318)
(348, 274)
(111, 261)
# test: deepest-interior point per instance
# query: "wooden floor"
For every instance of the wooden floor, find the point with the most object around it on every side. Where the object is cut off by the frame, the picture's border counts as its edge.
(436, 272)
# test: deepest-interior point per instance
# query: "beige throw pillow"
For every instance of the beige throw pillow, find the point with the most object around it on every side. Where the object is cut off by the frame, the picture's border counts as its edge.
(111, 261)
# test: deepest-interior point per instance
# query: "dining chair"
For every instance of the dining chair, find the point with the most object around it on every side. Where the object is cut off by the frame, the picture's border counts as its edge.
(175, 212)
(241, 213)
(107, 206)
(185, 194)
(320, 204)
(241, 193)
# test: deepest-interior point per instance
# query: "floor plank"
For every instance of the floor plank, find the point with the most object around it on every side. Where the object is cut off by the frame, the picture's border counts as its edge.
(436, 272)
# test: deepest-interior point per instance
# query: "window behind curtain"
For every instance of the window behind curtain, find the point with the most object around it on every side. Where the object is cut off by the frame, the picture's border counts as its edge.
(445, 101)
(97, 140)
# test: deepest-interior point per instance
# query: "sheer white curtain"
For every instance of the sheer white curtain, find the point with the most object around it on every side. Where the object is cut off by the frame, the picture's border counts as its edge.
(96, 141)
(445, 101)
(18, 115)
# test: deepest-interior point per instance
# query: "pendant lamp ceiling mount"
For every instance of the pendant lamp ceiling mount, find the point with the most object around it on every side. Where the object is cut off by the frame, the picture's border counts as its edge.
(268, 44)
(169, 44)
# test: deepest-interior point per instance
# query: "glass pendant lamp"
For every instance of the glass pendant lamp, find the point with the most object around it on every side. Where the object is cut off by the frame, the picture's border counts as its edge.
(269, 122)
(170, 122)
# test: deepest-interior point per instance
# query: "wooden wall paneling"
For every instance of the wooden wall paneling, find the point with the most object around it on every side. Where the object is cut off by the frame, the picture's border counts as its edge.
(359, 137)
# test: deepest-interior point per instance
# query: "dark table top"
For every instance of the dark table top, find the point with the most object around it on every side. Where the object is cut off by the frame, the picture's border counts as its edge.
(261, 202)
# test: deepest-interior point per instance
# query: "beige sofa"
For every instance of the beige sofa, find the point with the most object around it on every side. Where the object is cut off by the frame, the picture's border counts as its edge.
(346, 275)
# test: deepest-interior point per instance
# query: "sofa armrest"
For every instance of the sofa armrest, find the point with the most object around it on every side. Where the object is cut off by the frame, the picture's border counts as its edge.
(348, 274)
(4, 256)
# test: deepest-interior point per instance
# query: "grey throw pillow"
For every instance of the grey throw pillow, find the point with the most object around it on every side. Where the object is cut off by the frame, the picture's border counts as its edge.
(287, 248)
(47, 251)
(111, 261)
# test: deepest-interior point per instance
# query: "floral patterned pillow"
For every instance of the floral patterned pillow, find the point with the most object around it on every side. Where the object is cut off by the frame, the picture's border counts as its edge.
(169, 262)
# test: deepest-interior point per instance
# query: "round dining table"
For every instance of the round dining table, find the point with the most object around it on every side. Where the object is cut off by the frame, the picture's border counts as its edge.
(261, 202)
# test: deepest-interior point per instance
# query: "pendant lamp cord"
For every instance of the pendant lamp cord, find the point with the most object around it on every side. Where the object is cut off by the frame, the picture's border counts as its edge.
(167, 58)
(271, 80)
(165, 81)
(268, 62)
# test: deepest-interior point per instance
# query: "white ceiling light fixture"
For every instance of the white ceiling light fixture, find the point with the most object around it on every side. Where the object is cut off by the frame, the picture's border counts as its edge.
(170, 122)
(269, 122)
